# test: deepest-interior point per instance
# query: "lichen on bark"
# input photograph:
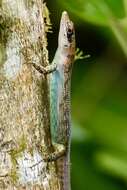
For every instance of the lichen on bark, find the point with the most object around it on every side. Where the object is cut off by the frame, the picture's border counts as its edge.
(24, 98)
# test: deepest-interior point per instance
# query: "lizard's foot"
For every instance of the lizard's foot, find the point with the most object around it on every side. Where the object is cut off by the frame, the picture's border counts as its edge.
(60, 151)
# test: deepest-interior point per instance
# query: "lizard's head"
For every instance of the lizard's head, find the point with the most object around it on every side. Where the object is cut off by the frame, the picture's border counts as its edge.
(67, 32)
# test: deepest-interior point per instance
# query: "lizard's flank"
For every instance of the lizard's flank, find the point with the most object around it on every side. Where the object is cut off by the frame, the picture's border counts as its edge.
(60, 85)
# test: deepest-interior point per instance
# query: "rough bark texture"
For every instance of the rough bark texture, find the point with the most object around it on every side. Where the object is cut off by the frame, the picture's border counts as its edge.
(24, 102)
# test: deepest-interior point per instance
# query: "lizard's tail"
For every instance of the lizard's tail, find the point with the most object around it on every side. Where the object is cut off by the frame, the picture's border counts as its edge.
(63, 170)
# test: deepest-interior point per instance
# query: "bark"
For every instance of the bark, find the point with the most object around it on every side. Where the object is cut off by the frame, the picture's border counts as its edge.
(24, 98)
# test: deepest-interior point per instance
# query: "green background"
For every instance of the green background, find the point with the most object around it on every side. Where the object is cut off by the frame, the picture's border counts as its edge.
(99, 91)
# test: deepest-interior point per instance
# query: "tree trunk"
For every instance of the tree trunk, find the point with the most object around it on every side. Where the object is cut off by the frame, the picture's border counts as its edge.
(24, 98)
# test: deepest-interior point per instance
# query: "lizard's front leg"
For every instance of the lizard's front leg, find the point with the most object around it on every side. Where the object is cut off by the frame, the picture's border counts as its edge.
(44, 70)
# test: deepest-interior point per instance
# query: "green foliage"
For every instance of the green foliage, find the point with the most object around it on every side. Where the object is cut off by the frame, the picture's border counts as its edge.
(113, 163)
(96, 11)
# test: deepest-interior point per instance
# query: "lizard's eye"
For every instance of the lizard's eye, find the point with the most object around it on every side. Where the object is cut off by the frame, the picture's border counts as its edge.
(69, 34)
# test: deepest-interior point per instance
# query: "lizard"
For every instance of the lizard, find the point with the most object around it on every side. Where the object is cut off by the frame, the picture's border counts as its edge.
(60, 84)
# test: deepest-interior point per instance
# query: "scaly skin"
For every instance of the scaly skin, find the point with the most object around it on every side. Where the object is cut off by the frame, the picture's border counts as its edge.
(60, 83)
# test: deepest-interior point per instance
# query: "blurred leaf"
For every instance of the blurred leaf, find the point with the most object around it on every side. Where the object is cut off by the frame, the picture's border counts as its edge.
(113, 163)
(79, 134)
(110, 129)
(95, 11)
(120, 32)
(84, 171)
